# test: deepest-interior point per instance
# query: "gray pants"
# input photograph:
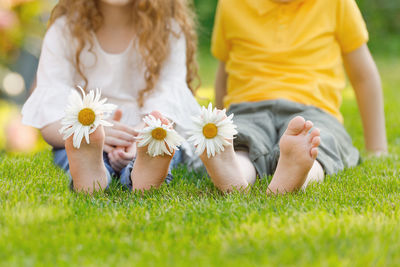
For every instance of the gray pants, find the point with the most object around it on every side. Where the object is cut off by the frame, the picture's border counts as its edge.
(261, 125)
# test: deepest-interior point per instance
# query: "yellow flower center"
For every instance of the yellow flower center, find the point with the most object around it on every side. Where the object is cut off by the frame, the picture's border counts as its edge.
(210, 130)
(86, 116)
(159, 133)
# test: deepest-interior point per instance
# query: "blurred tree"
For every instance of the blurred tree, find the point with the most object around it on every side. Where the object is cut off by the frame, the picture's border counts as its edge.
(20, 21)
(205, 10)
(22, 26)
(383, 21)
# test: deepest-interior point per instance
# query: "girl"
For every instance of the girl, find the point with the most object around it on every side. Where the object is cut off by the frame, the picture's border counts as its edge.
(141, 54)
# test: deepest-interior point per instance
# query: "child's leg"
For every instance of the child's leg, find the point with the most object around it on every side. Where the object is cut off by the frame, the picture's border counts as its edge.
(125, 174)
(230, 170)
(315, 175)
(247, 167)
(86, 163)
(257, 134)
(298, 151)
(150, 172)
(336, 150)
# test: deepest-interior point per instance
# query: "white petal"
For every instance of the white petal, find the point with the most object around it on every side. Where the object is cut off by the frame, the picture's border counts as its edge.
(157, 148)
(150, 120)
(200, 148)
(64, 128)
(77, 140)
(98, 95)
(86, 131)
(210, 147)
(88, 99)
(164, 149)
(146, 140)
(106, 123)
(68, 133)
(152, 148)
(210, 108)
(218, 144)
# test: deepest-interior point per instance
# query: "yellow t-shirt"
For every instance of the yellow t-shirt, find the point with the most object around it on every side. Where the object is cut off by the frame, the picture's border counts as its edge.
(292, 51)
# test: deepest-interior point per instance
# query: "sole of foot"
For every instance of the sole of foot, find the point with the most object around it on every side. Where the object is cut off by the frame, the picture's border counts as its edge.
(149, 172)
(86, 163)
(298, 151)
(224, 169)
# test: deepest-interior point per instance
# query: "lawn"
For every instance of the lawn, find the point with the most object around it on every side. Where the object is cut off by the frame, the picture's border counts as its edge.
(352, 219)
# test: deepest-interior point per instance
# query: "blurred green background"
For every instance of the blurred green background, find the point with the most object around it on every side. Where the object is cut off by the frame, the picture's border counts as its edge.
(23, 24)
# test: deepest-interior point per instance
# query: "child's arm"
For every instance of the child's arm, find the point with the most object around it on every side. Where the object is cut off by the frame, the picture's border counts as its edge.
(118, 135)
(365, 79)
(220, 85)
(52, 136)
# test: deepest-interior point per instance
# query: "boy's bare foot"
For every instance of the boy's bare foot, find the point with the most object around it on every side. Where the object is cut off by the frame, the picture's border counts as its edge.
(86, 163)
(150, 172)
(298, 151)
(224, 170)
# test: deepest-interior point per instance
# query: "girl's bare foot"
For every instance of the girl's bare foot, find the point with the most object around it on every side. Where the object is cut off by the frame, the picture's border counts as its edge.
(86, 163)
(224, 166)
(224, 170)
(298, 151)
(150, 172)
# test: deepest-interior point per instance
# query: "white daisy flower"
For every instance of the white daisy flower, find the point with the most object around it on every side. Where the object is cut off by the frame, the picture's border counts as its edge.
(159, 137)
(211, 131)
(84, 114)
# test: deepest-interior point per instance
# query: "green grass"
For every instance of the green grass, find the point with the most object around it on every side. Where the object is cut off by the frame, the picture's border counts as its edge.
(352, 219)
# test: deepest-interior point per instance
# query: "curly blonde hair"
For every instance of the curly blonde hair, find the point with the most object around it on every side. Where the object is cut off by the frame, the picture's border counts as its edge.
(153, 27)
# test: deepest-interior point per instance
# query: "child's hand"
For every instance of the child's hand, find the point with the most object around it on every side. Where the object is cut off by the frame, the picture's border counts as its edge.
(119, 135)
(120, 157)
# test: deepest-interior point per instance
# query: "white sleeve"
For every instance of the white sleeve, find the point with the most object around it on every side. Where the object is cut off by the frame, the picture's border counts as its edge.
(55, 78)
(172, 97)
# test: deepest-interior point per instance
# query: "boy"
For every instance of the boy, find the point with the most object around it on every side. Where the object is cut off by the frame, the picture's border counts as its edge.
(282, 61)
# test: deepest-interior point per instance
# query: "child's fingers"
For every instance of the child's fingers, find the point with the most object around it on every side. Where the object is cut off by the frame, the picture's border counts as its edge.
(110, 156)
(107, 148)
(125, 128)
(158, 114)
(117, 115)
(119, 156)
(115, 162)
(132, 149)
(123, 135)
(119, 166)
(111, 160)
(126, 156)
(115, 167)
(112, 141)
(119, 134)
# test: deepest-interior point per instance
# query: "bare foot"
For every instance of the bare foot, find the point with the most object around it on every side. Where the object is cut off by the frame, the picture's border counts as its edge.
(224, 170)
(86, 163)
(298, 151)
(150, 172)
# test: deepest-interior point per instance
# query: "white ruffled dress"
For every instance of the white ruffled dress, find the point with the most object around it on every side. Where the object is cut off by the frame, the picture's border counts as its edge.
(119, 76)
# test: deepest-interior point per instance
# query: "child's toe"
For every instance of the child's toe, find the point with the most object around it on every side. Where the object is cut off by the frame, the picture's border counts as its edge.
(307, 127)
(314, 152)
(295, 126)
(315, 132)
(315, 142)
